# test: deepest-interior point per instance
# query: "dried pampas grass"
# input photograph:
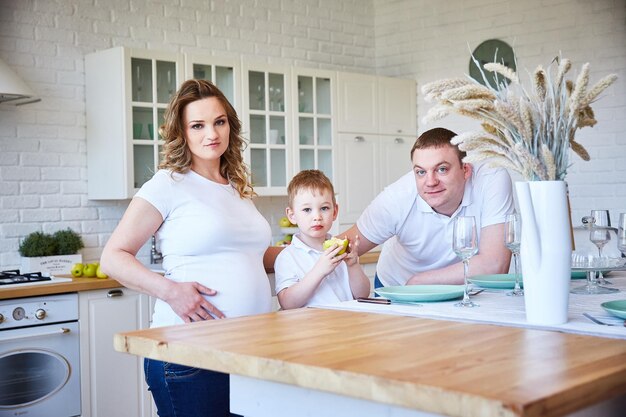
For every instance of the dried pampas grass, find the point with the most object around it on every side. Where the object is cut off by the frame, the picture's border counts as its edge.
(530, 132)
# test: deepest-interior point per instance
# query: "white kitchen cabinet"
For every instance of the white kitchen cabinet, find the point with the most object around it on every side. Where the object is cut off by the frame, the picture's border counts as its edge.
(112, 383)
(267, 124)
(373, 104)
(357, 103)
(377, 125)
(397, 106)
(314, 122)
(289, 122)
(224, 73)
(368, 164)
(127, 92)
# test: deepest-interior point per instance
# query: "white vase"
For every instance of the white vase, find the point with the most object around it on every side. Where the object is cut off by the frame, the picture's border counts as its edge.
(546, 250)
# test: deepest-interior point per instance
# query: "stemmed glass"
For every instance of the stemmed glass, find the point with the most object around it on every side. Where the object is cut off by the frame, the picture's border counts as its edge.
(600, 236)
(512, 240)
(621, 234)
(465, 245)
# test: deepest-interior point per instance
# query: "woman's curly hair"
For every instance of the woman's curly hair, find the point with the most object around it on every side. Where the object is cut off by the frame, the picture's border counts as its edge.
(176, 154)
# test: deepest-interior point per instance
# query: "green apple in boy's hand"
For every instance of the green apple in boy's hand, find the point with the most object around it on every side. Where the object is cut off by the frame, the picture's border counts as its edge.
(342, 243)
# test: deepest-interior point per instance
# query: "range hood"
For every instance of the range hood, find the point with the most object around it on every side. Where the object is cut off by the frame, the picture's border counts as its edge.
(12, 89)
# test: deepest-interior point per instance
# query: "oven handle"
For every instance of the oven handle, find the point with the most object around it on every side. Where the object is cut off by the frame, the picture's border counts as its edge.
(62, 330)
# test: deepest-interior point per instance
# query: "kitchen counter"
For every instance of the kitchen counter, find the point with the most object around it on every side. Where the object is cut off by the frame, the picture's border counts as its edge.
(87, 284)
(77, 284)
(444, 367)
(369, 258)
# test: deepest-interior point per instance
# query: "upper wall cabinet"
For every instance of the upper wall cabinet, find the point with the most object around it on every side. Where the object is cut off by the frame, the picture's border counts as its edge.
(127, 92)
(358, 108)
(397, 106)
(224, 73)
(288, 119)
(314, 122)
(371, 104)
(267, 124)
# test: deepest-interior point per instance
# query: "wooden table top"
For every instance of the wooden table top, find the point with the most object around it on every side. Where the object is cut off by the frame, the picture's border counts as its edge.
(445, 367)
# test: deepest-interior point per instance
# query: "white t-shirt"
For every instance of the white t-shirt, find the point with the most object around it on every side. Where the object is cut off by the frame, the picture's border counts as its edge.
(213, 236)
(297, 259)
(415, 237)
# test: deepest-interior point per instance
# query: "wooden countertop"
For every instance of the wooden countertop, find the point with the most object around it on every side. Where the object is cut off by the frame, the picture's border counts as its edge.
(369, 258)
(87, 284)
(77, 284)
(446, 367)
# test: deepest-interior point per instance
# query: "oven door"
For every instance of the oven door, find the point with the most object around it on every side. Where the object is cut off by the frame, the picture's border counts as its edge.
(40, 374)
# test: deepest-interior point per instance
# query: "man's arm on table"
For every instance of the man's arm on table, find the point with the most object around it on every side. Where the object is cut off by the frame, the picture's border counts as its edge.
(492, 258)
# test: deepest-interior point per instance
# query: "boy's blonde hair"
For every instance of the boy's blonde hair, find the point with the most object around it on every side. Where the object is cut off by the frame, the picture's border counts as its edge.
(310, 179)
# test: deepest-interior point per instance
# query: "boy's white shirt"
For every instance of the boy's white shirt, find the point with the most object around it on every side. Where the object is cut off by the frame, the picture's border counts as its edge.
(297, 259)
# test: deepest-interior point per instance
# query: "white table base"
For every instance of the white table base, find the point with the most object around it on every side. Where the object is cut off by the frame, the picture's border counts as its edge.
(251, 397)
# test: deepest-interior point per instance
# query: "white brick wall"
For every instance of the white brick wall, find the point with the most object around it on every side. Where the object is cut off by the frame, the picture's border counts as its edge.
(429, 40)
(42, 145)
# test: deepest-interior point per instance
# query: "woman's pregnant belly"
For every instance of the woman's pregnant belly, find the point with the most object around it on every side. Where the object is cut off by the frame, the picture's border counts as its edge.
(242, 286)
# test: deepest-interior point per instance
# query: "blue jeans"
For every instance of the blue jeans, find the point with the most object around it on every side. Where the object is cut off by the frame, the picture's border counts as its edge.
(377, 284)
(183, 391)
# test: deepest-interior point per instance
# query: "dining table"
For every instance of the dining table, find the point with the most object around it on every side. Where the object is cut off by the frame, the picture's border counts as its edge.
(419, 360)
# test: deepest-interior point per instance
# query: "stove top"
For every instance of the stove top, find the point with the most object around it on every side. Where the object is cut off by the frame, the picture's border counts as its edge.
(13, 278)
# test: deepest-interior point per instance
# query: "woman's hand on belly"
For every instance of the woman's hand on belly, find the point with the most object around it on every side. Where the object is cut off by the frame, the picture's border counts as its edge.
(187, 301)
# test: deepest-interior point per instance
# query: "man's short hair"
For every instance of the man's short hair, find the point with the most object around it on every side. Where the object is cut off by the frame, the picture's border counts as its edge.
(310, 179)
(436, 138)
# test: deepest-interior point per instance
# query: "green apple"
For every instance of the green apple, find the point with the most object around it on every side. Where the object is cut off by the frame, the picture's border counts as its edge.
(99, 273)
(284, 222)
(342, 243)
(90, 270)
(288, 238)
(77, 270)
(280, 243)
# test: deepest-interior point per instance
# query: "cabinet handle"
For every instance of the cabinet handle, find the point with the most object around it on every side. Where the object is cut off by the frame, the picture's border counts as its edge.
(115, 293)
(399, 140)
(359, 139)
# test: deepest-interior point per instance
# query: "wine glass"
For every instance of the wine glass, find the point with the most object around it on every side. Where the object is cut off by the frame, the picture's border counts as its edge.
(512, 240)
(600, 236)
(465, 245)
(621, 234)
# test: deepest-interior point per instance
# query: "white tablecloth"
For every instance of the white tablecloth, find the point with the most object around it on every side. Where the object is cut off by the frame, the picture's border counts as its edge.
(498, 308)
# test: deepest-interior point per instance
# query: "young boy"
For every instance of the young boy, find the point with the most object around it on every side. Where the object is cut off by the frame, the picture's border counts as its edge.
(307, 275)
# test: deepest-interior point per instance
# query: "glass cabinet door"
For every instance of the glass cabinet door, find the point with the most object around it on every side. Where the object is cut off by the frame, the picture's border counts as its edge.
(314, 123)
(153, 82)
(224, 74)
(267, 130)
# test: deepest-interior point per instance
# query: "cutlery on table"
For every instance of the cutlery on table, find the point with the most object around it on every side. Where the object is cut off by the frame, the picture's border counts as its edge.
(379, 300)
(595, 320)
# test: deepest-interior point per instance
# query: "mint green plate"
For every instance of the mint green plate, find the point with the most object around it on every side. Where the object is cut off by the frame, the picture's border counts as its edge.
(497, 281)
(421, 292)
(616, 307)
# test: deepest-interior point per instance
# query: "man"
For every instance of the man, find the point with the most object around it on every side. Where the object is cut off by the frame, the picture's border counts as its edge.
(414, 216)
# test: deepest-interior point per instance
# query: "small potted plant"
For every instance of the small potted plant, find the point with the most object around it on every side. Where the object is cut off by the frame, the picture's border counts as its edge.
(51, 253)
